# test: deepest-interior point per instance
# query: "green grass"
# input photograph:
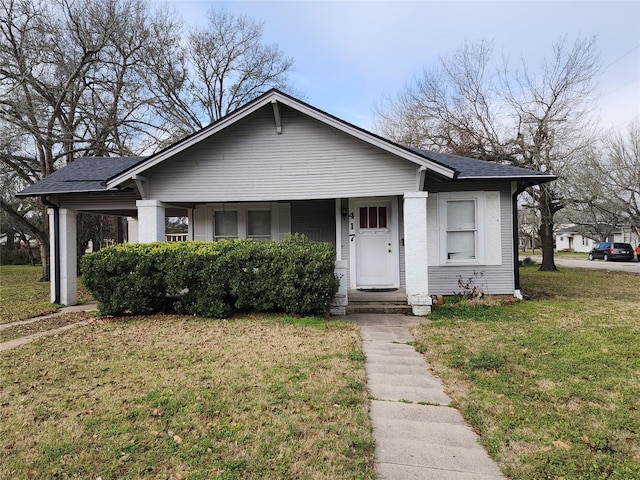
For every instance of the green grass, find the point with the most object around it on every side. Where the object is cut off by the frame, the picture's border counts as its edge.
(186, 397)
(552, 385)
(23, 296)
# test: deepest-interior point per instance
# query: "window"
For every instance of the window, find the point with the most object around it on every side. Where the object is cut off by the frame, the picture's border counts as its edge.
(225, 225)
(461, 230)
(465, 228)
(373, 217)
(260, 221)
(259, 224)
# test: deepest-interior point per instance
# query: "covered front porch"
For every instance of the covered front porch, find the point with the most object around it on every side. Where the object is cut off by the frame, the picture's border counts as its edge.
(380, 242)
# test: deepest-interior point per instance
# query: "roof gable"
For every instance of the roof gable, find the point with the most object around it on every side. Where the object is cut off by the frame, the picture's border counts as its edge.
(274, 98)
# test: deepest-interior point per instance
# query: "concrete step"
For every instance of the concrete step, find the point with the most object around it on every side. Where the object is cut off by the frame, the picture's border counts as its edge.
(378, 307)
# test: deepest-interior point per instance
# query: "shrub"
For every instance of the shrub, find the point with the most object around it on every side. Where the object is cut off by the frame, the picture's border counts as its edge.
(295, 276)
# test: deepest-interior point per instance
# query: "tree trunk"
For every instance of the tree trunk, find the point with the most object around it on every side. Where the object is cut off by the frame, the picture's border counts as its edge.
(44, 259)
(546, 241)
(43, 244)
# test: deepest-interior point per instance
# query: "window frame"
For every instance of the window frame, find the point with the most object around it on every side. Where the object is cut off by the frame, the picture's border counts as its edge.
(280, 219)
(488, 237)
(450, 230)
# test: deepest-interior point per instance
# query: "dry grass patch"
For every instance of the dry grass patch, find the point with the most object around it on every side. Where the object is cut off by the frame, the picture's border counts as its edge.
(552, 386)
(43, 325)
(176, 397)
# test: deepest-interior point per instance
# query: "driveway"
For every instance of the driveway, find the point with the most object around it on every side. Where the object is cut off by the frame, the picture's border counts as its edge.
(633, 267)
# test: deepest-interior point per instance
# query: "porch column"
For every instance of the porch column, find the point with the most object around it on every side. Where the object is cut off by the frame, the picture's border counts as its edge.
(415, 251)
(150, 221)
(63, 255)
(132, 230)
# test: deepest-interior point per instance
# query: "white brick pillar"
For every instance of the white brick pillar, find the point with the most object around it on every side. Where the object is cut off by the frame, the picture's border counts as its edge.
(150, 221)
(415, 251)
(132, 230)
(341, 300)
(63, 256)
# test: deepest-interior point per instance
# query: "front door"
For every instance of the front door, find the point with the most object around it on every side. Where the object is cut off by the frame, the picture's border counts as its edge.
(375, 249)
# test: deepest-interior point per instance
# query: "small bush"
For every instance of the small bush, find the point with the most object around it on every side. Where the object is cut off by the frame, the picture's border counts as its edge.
(213, 279)
(527, 262)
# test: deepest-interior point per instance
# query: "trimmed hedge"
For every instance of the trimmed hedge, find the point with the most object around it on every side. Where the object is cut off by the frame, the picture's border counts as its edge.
(213, 279)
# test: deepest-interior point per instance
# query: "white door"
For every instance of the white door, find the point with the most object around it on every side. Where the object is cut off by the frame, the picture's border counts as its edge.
(374, 246)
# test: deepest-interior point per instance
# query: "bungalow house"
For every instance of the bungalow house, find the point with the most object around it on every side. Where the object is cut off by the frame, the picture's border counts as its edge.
(400, 219)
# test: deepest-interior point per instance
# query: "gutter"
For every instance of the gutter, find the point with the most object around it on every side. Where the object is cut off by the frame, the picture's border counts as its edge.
(56, 246)
(516, 264)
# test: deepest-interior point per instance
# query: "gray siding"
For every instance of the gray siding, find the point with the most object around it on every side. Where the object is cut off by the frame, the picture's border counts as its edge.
(315, 219)
(496, 279)
(251, 162)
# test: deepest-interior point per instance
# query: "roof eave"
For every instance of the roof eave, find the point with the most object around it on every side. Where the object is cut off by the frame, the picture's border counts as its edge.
(538, 179)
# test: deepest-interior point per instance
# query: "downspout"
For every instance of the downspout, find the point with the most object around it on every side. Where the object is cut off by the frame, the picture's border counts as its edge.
(516, 263)
(56, 245)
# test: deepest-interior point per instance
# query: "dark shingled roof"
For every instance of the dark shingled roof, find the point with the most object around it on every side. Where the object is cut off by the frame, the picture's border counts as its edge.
(87, 174)
(468, 168)
(90, 174)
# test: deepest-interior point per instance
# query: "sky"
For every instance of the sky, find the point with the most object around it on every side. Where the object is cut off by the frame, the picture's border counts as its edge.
(348, 55)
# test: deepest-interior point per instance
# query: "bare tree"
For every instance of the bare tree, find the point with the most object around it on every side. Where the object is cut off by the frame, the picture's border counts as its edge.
(115, 77)
(537, 121)
(223, 66)
(60, 80)
(622, 164)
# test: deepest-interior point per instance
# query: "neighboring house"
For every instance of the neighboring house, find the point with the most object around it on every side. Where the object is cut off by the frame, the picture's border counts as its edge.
(569, 239)
(399, 218)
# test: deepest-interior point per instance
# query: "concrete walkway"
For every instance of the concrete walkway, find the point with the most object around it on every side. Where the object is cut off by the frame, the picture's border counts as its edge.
(16, 342)
(417, 434)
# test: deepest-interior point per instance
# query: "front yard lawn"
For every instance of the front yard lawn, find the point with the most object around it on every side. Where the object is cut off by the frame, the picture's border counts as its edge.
(186, 397)
(552, 385)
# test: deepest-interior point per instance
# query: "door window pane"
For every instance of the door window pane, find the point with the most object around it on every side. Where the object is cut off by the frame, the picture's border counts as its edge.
(373, 217)
(382, 215)
(363, 217)
(225, 225)
(259, 224)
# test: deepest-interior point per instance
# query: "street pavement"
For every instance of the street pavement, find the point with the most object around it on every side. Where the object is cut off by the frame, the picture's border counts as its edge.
(633, 267)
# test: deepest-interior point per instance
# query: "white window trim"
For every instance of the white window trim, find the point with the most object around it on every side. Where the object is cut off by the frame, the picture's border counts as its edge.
(483, 256)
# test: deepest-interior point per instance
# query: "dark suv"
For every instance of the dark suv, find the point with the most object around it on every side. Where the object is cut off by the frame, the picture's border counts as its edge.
(612, 251)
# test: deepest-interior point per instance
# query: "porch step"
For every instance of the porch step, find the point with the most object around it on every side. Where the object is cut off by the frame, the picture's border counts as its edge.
(378, 307)
(394, 301)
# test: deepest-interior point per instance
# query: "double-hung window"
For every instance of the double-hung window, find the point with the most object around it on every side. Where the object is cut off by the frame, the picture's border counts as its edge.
(462, 230)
